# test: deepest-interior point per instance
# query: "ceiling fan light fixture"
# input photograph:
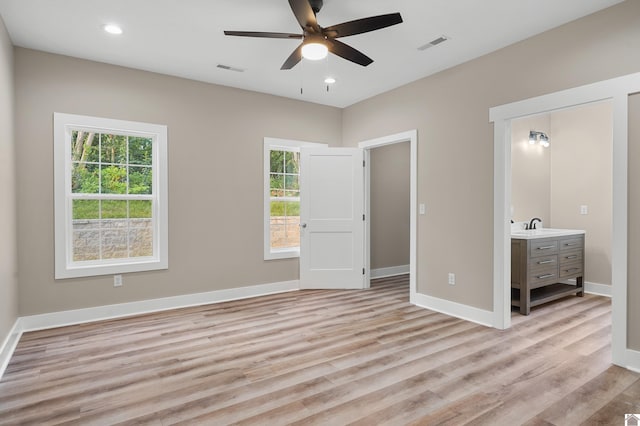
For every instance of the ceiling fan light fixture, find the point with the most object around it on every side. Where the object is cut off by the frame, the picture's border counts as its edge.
(112, 29)
(329, 80)
(314, 51)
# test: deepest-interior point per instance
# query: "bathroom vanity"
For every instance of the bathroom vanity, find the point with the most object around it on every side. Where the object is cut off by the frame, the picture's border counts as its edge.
(542, 260)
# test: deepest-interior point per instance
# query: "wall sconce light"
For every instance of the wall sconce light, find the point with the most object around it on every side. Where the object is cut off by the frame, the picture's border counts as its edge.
(539, 137)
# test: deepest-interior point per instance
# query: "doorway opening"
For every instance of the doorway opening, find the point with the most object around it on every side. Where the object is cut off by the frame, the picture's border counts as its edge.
(563, 182)
(410, 137)
(618, 91)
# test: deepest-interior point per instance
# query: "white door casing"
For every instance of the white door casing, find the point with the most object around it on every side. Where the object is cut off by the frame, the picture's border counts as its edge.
(331, 218)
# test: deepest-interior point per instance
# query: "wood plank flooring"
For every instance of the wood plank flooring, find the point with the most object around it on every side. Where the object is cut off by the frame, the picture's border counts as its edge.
(323, 357)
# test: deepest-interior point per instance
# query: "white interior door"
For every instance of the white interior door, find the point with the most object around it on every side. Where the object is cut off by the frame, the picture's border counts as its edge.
(331, 218)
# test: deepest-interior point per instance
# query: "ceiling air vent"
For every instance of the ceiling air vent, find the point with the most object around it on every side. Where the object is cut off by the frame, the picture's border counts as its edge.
(434, 42)
(227, 67)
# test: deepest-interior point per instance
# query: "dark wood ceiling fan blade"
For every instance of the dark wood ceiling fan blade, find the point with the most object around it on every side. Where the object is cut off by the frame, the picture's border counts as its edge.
(262, 34)
(347, 52)
(304, 14)
(293, 59)
(363, 25)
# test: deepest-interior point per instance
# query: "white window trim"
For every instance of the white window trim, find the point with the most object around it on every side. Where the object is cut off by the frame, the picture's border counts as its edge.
(287, 145)
(64, 124)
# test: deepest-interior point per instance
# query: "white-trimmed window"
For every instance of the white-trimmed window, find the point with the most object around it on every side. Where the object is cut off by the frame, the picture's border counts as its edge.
(282, 197)
(110, 196)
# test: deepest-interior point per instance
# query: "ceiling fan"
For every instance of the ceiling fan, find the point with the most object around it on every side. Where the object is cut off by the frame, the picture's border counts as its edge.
(318, 41)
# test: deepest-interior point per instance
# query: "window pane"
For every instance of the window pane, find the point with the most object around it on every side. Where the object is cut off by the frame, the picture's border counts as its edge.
(285, 224)
(85, 178)
(86, 242)
(114, 243)
(140, 181)
(86, 209)
(291, 182)
(114, 180)
(114, 209)
(114, 149)
(277, 161)
(292, 162)
(141, 241)
(84, 146)
(276, 184)
(140, 209)
(140, 151)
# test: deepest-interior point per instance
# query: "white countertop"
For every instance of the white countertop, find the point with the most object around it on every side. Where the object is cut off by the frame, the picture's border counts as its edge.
(530, 234)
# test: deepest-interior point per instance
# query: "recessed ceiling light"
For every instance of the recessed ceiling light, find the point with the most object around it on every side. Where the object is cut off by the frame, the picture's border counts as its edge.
(113, 29)
(329, 80)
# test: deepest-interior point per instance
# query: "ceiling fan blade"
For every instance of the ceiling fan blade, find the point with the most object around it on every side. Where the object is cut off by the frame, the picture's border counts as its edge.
(347, 52)
(261, 34)
(293, 59)
(304, 14)
(363, 25)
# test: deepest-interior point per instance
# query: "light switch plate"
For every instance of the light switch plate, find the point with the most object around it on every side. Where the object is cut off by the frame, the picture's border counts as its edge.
(423, 209)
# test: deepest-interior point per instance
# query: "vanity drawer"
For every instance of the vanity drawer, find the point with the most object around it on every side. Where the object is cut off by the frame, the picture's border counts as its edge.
(543, 277)
(544, 262)
(573, 243)
(571, 270)
(571, 257)
(543, 247)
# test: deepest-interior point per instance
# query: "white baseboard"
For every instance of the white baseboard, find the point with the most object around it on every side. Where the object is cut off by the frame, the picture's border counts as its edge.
(593, 288)
(389, 272)
(454, 309)
(633, 360)
(598, 289)
(9, 345)
(79, 316)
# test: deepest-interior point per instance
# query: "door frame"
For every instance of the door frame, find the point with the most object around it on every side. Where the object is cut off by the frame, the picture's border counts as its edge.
(410, 136)
(617, 90)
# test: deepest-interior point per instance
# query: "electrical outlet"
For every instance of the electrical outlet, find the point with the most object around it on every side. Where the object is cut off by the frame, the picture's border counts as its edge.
(117, 280)
(452, 278)
(584, 209)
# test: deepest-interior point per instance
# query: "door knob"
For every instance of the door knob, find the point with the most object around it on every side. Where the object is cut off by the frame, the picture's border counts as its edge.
(303, 225)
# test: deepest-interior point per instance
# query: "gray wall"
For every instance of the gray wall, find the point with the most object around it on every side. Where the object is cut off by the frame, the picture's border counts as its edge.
(390, 198)
(8, 254)
(215, 144)
(455, 151)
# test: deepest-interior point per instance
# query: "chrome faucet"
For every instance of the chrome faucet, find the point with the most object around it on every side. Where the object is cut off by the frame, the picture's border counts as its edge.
(532, 224)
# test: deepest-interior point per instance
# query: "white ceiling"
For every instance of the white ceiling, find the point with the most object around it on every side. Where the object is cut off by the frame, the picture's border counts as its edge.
(185, 38)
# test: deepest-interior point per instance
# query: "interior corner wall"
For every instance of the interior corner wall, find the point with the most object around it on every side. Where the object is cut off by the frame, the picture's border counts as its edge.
(8, 242)
(455, 138)
(530, 171)
(390, 205)
(215, 149)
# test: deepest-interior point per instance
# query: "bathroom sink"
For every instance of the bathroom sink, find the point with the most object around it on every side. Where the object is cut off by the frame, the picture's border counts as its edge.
(544, 232)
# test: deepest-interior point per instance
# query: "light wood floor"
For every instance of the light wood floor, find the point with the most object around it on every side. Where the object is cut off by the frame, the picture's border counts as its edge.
(323, 357)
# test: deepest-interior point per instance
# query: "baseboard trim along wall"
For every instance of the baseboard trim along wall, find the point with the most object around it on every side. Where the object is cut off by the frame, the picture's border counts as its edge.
(59, 319)
(98, 313)
(9, 346)
(633, 360)
(598, 289)
(454, 309)
(389, 271)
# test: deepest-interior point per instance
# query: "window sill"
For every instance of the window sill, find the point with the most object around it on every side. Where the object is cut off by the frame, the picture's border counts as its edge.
(283, 254)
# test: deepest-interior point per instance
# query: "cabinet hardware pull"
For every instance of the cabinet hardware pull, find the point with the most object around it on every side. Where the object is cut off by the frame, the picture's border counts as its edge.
(575, 256)
(541, 277)
(543, 262)
(546, 247)
(570, 244)
(571, 269)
